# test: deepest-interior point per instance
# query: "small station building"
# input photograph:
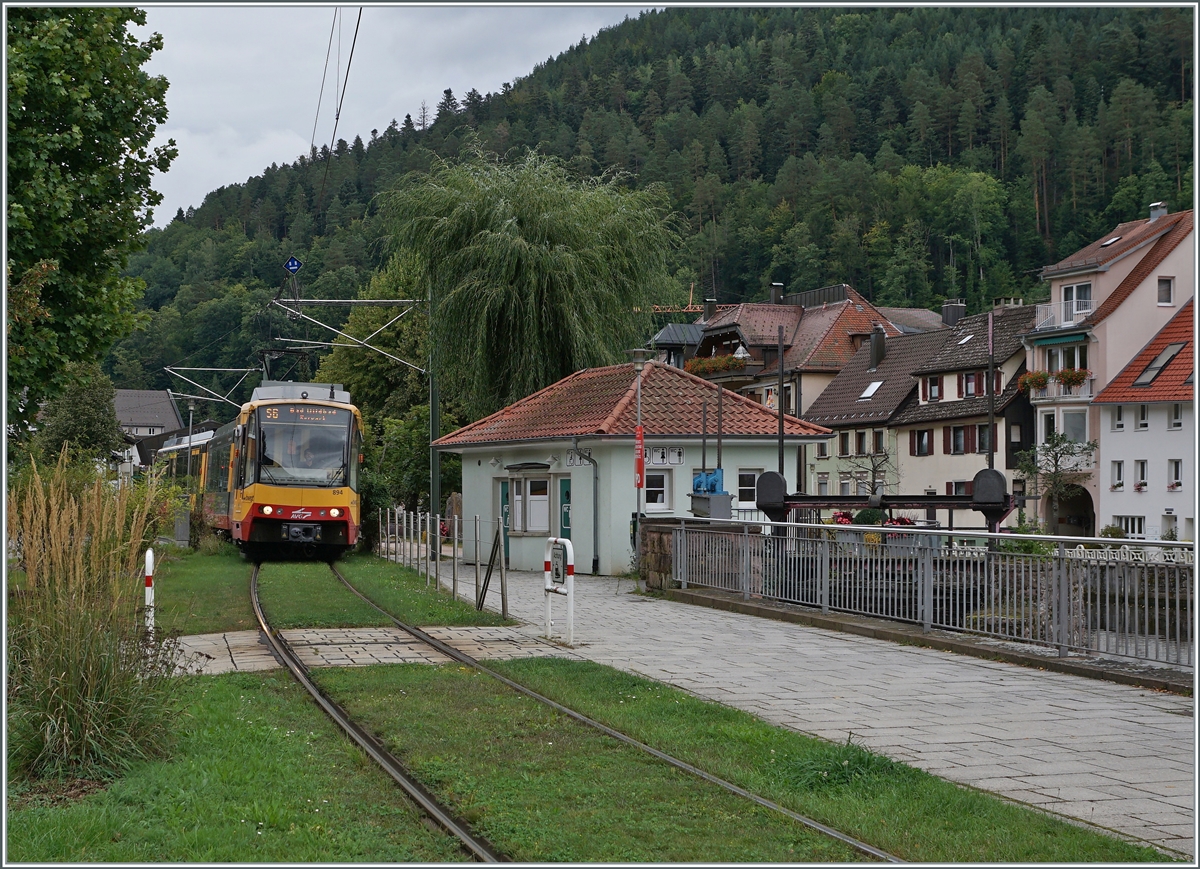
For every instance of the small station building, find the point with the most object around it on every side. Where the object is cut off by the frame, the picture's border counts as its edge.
(561, 461)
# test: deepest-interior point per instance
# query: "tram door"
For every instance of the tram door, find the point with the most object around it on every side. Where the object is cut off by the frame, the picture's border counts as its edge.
(564, 507)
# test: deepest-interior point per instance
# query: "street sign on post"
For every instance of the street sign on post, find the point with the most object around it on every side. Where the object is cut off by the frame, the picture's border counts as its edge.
(639, 460)
(293, 265)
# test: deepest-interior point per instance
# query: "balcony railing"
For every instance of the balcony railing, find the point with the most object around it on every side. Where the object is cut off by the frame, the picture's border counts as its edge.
(1055, 390)
(1056, 315)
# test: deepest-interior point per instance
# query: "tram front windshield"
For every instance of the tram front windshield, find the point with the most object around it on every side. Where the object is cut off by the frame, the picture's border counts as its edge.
(303, 445)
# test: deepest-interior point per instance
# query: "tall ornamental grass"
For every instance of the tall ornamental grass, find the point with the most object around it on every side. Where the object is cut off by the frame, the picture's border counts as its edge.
(89, 688)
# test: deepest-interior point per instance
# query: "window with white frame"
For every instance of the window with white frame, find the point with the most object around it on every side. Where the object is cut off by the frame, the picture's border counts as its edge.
(1014, 433)
(1118, 418)
(958, 440)
(925, 442)
(823, 484)
(1075, 425)
(1047, 425)
(934, 387)
(537, 511)
(516, 494)
(1143, 417)
(822, 449)
(983, 438)
(969, 386)
(1174, 473)
(844, 484)
(1139, 472)
(1118, 474)
(862, 486)
(878, 446)
(1166, 291)
(1077, 299)
(1175, 420)
(960, 487)
(860, 443)
(844, 443)
(1133, 526)
(658, 491)
(747, 477)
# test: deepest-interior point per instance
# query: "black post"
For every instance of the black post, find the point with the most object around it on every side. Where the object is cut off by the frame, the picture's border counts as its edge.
(704, 437)
(779, 400)
(435, 459)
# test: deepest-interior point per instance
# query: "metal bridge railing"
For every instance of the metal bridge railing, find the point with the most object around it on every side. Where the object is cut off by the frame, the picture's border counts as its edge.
(1134, 600)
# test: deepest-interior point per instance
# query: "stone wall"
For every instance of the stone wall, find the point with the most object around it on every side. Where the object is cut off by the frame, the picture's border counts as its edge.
(655, 566)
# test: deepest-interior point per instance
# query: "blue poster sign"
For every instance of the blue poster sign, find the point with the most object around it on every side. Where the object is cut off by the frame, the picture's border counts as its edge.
(293, 265)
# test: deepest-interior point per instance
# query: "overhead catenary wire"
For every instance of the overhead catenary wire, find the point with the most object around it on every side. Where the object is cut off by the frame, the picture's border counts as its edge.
(337, 114)
(324, 72)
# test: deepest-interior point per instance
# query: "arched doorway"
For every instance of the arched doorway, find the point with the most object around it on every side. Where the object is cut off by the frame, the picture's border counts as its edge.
(1076, 516)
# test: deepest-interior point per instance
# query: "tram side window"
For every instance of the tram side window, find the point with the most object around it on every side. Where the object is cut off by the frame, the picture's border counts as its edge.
(355, 449)
(249, 473)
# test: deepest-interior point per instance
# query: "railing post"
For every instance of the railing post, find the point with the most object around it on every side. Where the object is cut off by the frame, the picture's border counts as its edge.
(437, 553)
(476, 557)
(823, 577)
(1060, 567)
(745, 562)
(925, 578)
(683, 548)
(503, 573)
(454, 529)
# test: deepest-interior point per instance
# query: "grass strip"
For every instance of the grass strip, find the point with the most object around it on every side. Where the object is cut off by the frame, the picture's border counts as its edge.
(259, 774)
(198, 593)
(402, 592)
(898, 808)
(306, 594)
(544, 788)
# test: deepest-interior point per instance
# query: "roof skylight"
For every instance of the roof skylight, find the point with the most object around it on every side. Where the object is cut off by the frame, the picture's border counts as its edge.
(870, 390)
(1160, 362)
(1112, 240)
(965, 340)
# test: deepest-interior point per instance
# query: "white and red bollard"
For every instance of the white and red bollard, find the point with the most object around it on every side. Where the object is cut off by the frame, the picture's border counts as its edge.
(150, 590)
(570, 585)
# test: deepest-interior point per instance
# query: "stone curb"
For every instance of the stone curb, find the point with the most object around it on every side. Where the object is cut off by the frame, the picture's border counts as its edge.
(1175, 682)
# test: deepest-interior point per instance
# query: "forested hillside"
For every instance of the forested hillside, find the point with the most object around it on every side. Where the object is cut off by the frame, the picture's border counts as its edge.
(915, 154)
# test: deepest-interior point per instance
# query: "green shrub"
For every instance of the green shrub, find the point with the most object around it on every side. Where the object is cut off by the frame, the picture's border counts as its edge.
(1112, 531)
(869, 516)
(89, 688)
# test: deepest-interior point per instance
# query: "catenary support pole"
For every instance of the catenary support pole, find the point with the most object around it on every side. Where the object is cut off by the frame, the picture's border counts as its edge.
(150, 590)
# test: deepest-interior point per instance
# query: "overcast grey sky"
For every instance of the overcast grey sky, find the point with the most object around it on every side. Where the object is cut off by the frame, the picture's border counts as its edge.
(245, 80)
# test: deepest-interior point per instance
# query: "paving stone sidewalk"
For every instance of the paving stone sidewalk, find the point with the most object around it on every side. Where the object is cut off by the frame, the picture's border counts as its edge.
(1116, 756)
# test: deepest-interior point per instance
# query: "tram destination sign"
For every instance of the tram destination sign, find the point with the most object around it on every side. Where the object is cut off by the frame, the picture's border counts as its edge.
(308, 413)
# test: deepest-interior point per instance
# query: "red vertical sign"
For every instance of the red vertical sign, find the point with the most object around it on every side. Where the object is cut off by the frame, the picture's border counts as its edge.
(639, 460)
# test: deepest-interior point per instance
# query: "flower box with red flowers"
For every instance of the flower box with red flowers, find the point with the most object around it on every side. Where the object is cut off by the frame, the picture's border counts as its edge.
(1072, 377)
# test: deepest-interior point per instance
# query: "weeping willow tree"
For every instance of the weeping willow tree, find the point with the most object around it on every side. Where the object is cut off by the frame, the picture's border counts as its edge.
(533, 274)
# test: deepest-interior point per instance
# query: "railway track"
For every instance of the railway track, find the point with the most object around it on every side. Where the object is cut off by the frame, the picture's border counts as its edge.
(480, 849)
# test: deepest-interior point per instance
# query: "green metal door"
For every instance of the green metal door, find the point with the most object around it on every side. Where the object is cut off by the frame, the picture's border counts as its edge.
(505, 510)
(564, 507)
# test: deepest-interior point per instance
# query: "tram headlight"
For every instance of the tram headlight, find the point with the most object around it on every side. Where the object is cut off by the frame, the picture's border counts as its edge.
(268, 510)
(335, 512)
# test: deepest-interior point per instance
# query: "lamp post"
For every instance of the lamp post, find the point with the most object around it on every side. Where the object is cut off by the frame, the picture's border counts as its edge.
(639, 355)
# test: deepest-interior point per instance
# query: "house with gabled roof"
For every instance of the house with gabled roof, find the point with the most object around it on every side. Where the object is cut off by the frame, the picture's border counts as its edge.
(944, 434)
(144, 412)
(822, 330)
(859, 406)
(1147, 458)
(1107, 301)
(560, 462)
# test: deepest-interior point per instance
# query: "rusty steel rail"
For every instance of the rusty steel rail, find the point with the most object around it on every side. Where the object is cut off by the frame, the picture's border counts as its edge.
(480, 849)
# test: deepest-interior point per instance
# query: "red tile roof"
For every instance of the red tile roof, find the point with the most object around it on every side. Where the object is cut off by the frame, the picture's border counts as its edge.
(602, 401)
(1180, 229)
(1130, 235)
(824, 342)
(1169, 384)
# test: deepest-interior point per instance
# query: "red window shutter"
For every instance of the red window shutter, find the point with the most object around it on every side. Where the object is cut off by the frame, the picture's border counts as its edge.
(946, 439)
(969, 439)
(996, 388)
(960, 384)
(970, 487)
(924, 389)
(912, 442)
(949, 488)
(941, 388)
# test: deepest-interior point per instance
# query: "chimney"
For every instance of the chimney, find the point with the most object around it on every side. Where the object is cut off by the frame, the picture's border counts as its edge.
(1157, 210)
(878, 345)
(710, 309)
(1008, 302)
(776, 294)
(953, 310)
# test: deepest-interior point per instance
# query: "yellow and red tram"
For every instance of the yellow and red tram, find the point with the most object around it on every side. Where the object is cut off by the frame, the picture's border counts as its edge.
(282, 476)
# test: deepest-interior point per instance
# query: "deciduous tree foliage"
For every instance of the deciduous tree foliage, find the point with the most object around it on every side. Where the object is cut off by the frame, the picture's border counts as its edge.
(83, 417)
(81, 115)
(533, 274)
